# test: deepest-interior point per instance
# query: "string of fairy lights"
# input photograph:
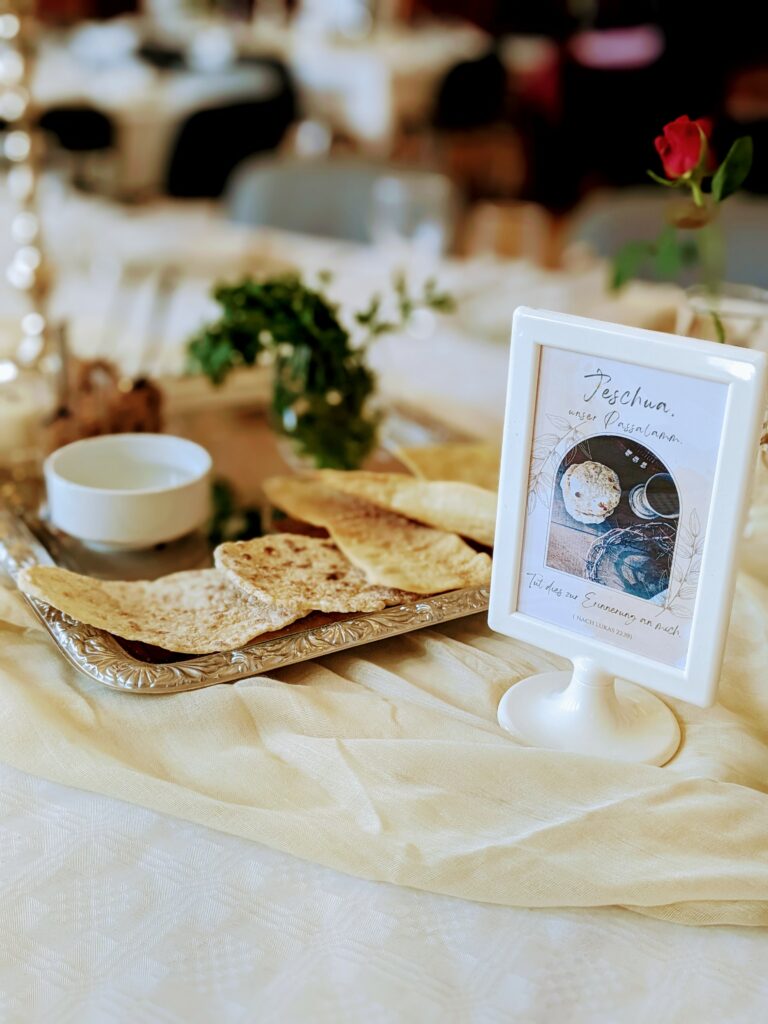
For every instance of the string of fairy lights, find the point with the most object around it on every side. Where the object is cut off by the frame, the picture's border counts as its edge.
(28, 271)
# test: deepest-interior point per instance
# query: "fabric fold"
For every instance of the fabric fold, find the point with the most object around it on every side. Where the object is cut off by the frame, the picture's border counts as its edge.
(386, 762)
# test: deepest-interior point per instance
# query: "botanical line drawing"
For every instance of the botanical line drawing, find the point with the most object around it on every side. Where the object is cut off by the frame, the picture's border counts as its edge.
(685, 571)
(545, 458)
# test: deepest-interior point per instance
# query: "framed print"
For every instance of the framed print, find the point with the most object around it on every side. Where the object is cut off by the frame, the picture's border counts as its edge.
(625, 473)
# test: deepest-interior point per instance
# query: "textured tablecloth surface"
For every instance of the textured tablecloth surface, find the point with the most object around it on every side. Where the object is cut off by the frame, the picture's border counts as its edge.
(386, 762)
(113, 914)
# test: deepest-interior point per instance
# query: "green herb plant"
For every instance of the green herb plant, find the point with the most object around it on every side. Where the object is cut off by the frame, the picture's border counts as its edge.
(230, 518)
(322, 388)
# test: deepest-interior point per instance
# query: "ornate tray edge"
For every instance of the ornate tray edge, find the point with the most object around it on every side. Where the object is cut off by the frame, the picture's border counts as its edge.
(97, 653)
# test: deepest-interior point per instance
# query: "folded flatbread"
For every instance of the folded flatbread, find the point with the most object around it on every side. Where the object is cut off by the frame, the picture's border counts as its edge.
(474, 463)
(191, 612)
(445, 504)
(290, 569)
(392, 551)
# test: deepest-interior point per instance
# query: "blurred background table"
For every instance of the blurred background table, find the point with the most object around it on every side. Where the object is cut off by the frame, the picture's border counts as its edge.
(143, 108)
(371, 88)
(498, 147)
(134, 284)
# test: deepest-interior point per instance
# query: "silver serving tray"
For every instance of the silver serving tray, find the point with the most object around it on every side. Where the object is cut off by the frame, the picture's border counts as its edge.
(103, 657)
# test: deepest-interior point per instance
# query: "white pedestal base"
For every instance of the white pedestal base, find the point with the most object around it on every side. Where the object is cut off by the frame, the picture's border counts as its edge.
(588, 713)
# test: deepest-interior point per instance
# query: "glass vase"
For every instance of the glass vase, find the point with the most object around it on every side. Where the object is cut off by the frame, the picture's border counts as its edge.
(741, 309)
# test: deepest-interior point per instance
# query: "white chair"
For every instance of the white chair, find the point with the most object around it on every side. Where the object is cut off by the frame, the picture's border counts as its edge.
(606, 220)
(337, 198)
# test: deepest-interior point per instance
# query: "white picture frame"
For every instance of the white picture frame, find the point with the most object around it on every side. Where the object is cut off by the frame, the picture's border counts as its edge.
(655, 356)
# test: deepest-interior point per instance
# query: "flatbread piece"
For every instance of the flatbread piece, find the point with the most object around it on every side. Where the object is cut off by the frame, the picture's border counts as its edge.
(287, 568)
(474, 463)
(392, 551)
(195, 612)
(445, 504)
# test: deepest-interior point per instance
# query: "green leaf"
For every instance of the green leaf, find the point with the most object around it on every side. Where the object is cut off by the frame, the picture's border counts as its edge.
(689, 252)
(668, 259)
(628, 261)
(696, 192)
(732, 172)
(369, 315)
(719, 327)
(229, 519)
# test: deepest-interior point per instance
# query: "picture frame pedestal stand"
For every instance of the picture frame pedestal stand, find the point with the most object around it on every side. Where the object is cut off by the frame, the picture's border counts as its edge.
(589, 712)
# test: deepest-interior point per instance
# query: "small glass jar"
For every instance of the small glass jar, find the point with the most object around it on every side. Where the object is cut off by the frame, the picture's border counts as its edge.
(741, 308)
(742, 312)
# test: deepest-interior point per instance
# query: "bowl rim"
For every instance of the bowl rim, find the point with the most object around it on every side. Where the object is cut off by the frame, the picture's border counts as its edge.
(51, 472)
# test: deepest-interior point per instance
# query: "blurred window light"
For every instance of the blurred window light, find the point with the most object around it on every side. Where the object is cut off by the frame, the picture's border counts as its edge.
(29, 256)
(9, 26)
(25, 227)
(617, 49)
(11, 67)
(20, 180)
(312, 138)
(8, 371)
(33, 323)
(13, 103)
(211, 49)
(30, 349)
(17, 146)
(20, 277)
(104, 44)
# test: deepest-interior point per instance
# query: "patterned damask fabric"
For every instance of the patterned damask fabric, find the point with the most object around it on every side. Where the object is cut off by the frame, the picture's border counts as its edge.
(113, 914)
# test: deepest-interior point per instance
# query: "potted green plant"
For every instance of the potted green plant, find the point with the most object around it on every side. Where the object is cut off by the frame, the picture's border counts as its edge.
(322, 385)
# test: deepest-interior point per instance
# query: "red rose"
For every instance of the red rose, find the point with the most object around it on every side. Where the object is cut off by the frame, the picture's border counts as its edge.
(680, 145)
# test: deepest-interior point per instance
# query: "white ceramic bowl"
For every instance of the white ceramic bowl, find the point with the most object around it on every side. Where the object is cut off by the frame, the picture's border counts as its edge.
(128, 490)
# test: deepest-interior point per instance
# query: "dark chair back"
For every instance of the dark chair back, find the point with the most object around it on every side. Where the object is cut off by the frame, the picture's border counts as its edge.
(161, 56)
(79, 129)
(472, 94)
(212, 142)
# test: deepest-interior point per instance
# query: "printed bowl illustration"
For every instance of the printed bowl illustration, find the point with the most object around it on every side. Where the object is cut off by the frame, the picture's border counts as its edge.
(657, 498)
(635, 559)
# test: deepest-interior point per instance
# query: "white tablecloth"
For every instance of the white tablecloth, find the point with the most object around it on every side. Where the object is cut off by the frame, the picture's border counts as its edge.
(110, 912)
(370, 87)
(113, 913)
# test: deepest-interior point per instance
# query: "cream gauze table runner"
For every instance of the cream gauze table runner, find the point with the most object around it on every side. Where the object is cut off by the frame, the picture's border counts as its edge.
(386, 762)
